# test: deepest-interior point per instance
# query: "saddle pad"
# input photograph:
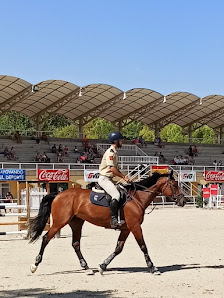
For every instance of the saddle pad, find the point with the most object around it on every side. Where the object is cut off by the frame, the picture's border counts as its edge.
(99, 199)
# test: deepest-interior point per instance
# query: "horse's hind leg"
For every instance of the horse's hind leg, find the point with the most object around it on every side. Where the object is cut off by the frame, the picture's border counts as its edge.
(76, 226)
(120, 244)
(57, 225)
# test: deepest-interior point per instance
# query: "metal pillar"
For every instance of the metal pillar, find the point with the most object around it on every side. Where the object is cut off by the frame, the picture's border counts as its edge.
(220, 136)
(189, 133)
(38, 125)
(156, 130)
(81, 128)
(120, 128)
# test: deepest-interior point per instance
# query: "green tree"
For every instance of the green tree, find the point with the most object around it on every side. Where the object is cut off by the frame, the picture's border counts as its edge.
(98, 129)
(147, 134)
(69, 131)
(205, 134)
(133, 129)
(172, 133)
(11, 121)
(55, 121)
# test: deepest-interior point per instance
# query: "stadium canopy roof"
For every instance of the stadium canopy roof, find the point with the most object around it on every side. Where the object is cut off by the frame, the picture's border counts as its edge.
(100, 100)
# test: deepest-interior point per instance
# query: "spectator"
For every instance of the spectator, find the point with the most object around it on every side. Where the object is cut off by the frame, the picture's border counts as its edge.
(8, 198)
(66, 150)
(220, 165)
(38, 157)
(6, 152)
(84, 139)
(195, 151)
(190, 151)
(44, 137)
(45, 158)
(12, 154)
(176, 160)
(60, 148)
(53, 149)
(162, 158)
(136, 141)
(36, 138)
(142, 142)
(158, 142)
(60, 157)
(215, 164)
(17, 137)
(76, 149)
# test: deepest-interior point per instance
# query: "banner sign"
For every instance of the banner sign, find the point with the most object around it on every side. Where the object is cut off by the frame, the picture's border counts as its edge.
(217, 176)
(91, 175)
(214, 189)
(53, 175)
(12, 175)
(206, 193)
(160, 169)
(188, 176)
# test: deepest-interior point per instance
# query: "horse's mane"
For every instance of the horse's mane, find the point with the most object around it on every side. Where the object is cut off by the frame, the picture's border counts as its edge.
(149, 181)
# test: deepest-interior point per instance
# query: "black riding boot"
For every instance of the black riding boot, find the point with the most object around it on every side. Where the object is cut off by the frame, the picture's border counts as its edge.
(114, 213)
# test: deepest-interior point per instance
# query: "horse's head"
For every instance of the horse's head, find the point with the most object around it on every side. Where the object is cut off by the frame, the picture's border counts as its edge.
(170, 188)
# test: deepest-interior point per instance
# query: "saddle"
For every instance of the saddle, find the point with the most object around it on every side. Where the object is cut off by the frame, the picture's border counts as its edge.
(99, 197)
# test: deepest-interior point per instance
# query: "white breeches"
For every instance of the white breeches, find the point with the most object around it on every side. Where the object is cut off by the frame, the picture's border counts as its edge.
(107, 184)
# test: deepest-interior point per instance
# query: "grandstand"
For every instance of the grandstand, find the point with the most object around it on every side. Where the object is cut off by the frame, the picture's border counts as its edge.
(26, 152)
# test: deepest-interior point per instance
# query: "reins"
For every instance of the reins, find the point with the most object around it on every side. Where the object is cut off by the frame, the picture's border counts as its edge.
(145, 189)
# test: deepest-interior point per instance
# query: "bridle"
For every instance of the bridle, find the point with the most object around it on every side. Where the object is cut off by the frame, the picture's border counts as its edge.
(174, 195)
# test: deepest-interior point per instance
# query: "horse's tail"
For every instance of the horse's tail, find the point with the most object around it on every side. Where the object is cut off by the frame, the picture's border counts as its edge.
(37, 224)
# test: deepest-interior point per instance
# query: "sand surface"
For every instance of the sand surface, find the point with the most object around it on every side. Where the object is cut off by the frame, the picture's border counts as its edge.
(187, 245)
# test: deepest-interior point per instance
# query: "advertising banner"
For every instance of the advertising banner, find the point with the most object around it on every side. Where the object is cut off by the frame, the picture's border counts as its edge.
(214, 189)
(12, 175)
(91, 175)
(188, 176)
(53, 175)
(160, 169)
(206, 193)
(217, 176)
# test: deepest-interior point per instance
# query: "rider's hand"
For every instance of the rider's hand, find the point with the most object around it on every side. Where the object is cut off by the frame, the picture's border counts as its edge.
(126, 179)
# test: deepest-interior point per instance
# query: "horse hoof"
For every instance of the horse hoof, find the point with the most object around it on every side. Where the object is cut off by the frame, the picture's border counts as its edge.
(101, 270)
(89, 271)
(33, 268)
(154, 271)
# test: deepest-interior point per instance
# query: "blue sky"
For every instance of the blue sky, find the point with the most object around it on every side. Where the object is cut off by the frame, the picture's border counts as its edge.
(162, 45)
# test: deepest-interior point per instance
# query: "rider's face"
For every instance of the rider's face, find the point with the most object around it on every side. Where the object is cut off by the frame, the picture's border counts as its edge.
(119, 143)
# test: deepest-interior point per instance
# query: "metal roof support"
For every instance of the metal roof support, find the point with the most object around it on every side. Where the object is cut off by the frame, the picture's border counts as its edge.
(120, 127)
(81, 128)
(135, 115)
(157, 129)
(55, 106)
(95, 112)
(6, 105)
(190, 133)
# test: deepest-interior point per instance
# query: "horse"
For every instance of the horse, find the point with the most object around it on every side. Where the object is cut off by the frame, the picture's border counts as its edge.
(73, 207)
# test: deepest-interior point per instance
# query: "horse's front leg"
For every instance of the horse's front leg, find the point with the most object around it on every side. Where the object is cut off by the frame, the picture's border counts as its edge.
(120, 244)
(137, 232)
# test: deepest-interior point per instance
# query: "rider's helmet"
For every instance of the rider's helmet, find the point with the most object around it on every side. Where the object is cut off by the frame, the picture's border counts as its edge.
(115, 136)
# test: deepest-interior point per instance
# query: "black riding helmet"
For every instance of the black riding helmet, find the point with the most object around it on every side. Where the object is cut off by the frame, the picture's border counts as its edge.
(114, 136)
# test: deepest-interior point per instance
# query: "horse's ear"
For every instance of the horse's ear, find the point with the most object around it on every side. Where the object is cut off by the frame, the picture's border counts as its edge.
(171, 174)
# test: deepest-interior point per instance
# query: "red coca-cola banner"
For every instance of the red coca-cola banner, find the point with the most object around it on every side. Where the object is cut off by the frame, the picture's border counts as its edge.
(53, 175)
(217, 176)
(206, 193)
(214, 189)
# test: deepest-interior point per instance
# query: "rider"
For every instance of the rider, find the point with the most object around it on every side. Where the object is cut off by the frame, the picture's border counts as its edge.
(108, 170)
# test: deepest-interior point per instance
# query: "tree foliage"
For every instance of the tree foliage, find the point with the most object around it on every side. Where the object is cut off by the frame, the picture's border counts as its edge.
(132, 130)
(69, 131)
(147, 134)
(204, 134)
(172, 133)
(11, 121)
(98, 129)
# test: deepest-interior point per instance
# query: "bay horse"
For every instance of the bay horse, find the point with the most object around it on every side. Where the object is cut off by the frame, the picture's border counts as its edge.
(73, 207)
